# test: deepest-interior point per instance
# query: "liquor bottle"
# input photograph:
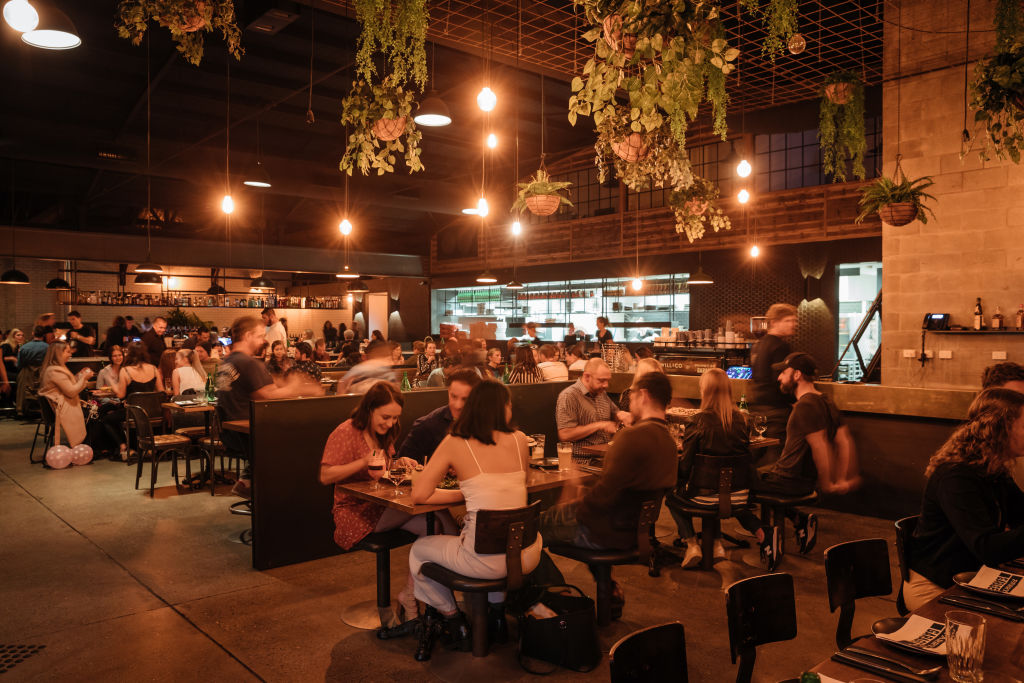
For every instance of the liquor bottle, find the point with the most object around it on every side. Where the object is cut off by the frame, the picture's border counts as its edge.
(405, 381)
(506, 375)
(997, 320)
(211, 392)
(979, 317)
(1020, 318)
(743, 404)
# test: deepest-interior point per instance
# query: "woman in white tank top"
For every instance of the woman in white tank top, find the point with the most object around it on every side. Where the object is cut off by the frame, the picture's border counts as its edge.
(490, 459)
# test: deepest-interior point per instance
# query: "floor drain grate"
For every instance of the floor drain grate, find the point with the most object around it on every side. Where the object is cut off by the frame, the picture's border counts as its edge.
(13, 655)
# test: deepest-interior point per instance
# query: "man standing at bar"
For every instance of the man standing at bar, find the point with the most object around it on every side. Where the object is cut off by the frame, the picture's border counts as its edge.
(766, 397)
(153, 340)
(275, 330)
(81, 336)
(429, 430)
(584, 413)
(530, 334)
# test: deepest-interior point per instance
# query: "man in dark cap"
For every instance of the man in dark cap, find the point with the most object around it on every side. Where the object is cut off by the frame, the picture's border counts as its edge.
(819, 452)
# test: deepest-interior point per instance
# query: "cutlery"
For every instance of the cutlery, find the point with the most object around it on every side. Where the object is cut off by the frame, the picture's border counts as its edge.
(927, 673)
(877, 667)
(980, 606)
(1017, 564)
(994, 604)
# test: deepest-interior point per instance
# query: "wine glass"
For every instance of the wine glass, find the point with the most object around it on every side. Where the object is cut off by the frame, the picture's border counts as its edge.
(760, 425)
(397, 473)
(376, 467)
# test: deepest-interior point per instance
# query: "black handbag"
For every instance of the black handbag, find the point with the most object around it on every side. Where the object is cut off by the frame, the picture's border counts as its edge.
(568, 639)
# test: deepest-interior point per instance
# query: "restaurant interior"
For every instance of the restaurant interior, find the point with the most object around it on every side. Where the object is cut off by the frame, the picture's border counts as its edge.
(503, 175)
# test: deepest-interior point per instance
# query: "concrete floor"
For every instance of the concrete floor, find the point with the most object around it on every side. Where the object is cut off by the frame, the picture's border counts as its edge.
(117, 586)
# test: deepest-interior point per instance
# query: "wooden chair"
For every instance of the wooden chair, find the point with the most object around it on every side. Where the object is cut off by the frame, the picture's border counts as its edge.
(156, 446)
(761, 610)
(904, 550)
(497, 531)
(211, 446)
(602, 561)
(656, 654)
(854, 570)
(718, 476)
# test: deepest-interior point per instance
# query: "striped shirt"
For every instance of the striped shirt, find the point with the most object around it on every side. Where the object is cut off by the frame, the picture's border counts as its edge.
(576, 406)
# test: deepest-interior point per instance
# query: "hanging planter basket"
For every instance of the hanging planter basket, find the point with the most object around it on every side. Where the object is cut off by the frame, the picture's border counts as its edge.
(696, 207)
(616, 39)
(631, 148)
(1018, 101)
(839, 93)
(899, 214)
(543, 204)
(389, 129)
(192, 20)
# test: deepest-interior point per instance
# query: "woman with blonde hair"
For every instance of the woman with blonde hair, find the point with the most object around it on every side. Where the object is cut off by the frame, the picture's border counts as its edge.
(643, 367)
(62, 388)
(972, 513)
(719, 429)
(188, 373)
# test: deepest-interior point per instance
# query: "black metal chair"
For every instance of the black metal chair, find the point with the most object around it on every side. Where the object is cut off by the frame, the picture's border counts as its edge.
(855, 570)
(497, 531)
(602, 561)
(156, 446)
(761, 610)
(380, 544)
(774, 506)
(47, 420)
(718, 476)
(656, 654)
(904, 550)
(243, 508)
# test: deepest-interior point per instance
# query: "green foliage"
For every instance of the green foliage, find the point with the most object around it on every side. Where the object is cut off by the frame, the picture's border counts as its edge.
(178, 16)
(394, 33)
(541, 184)
(364, 106)
(664, 165)
(841, 129)
(779, 20)
(680, 60)
(997, 98)
(1009, 24)
(886, 191)
(178, 318)
(694, 223)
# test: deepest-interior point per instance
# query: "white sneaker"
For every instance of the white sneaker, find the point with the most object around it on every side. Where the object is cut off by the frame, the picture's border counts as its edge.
(719, 550)
(693, 556)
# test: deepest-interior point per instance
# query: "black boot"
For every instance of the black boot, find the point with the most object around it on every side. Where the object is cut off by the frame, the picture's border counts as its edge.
(497, 625)
(430, 628)
(457, 633)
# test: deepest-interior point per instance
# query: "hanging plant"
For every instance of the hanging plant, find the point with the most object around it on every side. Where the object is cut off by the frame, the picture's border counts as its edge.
(541, 195)
(663, 164)
(380, 123)
(680, 59)
(779, 19)
(1009, 24)
(187, 20)
(695, 210)
(997, 98)
(394, 33)
(841, 125)
(897, 200)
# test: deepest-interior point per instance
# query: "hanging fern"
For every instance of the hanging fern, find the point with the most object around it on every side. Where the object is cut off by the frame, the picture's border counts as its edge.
(841, 128)
(187, 21)
(395, 32)
(1009, 24)
(779, 20)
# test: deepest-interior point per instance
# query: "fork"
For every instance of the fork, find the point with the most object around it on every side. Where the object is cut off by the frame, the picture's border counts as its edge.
(856, 649)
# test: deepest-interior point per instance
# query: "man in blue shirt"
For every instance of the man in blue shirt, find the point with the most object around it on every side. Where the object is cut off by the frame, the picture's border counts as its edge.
(31, 354)
(428, 432)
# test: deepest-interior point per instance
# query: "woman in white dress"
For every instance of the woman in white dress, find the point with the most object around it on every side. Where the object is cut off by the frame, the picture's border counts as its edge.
(490, 459)
(188, 373)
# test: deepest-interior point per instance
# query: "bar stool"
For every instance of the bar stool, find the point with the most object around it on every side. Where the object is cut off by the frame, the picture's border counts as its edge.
(773, 510)
(854, 570)
(366, 615)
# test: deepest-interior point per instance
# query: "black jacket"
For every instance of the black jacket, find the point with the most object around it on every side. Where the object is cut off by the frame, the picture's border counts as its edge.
(707, 435)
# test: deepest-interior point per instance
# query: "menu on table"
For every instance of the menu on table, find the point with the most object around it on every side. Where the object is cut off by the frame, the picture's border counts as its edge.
(919, 633)
(999, 581)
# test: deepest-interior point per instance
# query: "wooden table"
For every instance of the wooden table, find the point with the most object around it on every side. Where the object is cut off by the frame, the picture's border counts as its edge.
(240, 426)
(602, 448)
(1004, 646)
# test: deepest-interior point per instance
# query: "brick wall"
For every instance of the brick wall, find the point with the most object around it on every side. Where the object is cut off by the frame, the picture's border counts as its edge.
(975, 245)
(20, 305)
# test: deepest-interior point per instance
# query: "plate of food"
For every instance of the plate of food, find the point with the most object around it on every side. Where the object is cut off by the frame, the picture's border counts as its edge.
(449, 483)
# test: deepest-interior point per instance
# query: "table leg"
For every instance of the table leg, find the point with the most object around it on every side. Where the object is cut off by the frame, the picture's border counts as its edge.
(429, 516)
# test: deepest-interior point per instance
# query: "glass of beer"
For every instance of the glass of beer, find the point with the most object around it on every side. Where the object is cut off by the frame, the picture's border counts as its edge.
(537, 449)
(564, 456)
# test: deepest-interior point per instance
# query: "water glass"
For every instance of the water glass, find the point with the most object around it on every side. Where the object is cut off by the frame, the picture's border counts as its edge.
(965, 646)
(537, 450)
(564, 456)
(397, 473)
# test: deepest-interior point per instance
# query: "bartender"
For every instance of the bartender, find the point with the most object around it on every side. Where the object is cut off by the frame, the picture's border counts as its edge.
(766, 395)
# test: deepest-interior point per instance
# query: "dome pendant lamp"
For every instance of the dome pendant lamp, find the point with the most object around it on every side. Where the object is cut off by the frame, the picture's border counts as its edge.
(148, 267)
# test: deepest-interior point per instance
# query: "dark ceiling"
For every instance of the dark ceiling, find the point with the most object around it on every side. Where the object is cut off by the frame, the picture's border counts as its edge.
(72, 131)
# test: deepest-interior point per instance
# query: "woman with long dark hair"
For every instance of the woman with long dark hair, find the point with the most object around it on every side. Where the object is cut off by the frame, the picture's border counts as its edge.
(279, 362)
(489, 457)
(373, 426)
(525, 369)
(138, 374)
(972, 513)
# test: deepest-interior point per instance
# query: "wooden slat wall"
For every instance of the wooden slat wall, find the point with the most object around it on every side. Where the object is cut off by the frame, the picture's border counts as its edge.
(814, 214)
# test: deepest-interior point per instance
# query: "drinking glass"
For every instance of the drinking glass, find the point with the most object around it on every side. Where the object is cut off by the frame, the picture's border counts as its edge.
(396, 474)
(376, 467)
(760, 425)
(537, 450)
(564, 456)
(965, 646)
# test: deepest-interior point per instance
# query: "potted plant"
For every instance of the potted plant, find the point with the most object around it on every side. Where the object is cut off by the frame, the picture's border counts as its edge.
(393, 34)
(541, 195)
(997, 98)
(695, 210)
(378, 119)
(187, 21)
(661, 162)
(841, 125)
(897, 202)
(779, 19)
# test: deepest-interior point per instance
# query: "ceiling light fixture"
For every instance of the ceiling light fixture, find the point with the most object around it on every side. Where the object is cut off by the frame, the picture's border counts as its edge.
(743, 169)
(148, 266)
(471, 211)
(486, 277)
(482, 208)
(486, 99)
(258, 176)
(637, 284)
(358, 287)
(433, 112)
(346, 273)
(700, 277)
(517, 228)
(227, 205)
(14, 277)
(345, 227)
(515, 284)
(59, 32)
(261, 284)
(755, 251)
(492, 140)
(743, 197)
(21, 15)
(59, 284)
(149, 279)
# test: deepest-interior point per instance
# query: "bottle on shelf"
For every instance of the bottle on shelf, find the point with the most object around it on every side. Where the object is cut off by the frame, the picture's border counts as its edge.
(979, 316)
(997, 320)
(1020, 318)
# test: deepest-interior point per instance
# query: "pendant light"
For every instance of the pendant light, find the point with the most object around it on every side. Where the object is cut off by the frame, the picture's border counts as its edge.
(358, 287)
(517, 226)
(227, 204)
(21, 15)
(433, 112)
(55, 31)
(13, 276)
(148, 267)
(743, 167)
(215, 289)
(638, 283)
(345, 228)
(262, 283)
(257, 175)
(58, 284)
(700, 277)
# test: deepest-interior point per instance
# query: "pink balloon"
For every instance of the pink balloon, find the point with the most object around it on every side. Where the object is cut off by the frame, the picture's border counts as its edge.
(81, 454)
(58, 457)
